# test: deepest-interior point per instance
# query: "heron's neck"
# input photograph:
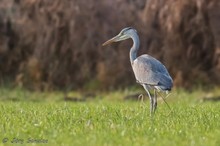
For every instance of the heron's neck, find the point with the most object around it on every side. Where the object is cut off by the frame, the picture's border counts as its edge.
(135, 47)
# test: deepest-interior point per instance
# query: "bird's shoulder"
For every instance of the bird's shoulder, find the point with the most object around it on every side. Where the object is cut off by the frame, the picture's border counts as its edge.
(149, 63)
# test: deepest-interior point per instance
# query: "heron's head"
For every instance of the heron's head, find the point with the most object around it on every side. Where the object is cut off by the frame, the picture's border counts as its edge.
(125, 33)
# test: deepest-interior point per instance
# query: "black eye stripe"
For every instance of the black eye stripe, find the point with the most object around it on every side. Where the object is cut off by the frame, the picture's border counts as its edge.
(128, 28)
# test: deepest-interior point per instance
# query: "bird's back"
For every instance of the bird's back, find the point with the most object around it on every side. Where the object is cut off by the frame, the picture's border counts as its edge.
(150, 71)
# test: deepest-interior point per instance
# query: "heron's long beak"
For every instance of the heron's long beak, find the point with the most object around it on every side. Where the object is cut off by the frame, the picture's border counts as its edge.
(114, 39)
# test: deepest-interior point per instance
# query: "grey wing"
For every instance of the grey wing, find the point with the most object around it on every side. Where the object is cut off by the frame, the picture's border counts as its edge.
(149, 70)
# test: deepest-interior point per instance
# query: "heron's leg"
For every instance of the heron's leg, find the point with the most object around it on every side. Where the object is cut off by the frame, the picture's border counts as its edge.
(155, 100)
(151, 100)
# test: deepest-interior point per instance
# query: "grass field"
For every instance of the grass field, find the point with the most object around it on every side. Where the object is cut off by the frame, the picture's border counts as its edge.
(43, 119)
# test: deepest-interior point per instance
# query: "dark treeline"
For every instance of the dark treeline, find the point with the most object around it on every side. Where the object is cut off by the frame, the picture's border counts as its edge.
(46, 44)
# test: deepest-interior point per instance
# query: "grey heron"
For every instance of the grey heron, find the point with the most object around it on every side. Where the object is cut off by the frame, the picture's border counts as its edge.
(148, 71)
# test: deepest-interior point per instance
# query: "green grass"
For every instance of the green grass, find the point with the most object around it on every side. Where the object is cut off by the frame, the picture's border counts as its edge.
(109, 121)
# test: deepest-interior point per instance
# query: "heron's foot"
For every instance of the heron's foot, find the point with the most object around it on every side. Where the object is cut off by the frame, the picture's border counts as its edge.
(141, 97)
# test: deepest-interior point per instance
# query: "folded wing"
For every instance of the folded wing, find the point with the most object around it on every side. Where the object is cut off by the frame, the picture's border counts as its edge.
(150, 71)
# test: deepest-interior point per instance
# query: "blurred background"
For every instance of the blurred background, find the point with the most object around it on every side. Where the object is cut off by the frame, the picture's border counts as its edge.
(56, 44)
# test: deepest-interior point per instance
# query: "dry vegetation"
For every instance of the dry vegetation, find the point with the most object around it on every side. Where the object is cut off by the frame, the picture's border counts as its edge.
(46, 44)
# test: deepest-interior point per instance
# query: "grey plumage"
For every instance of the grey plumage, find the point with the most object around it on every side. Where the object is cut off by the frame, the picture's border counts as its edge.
(148, 71)
(152, 72)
